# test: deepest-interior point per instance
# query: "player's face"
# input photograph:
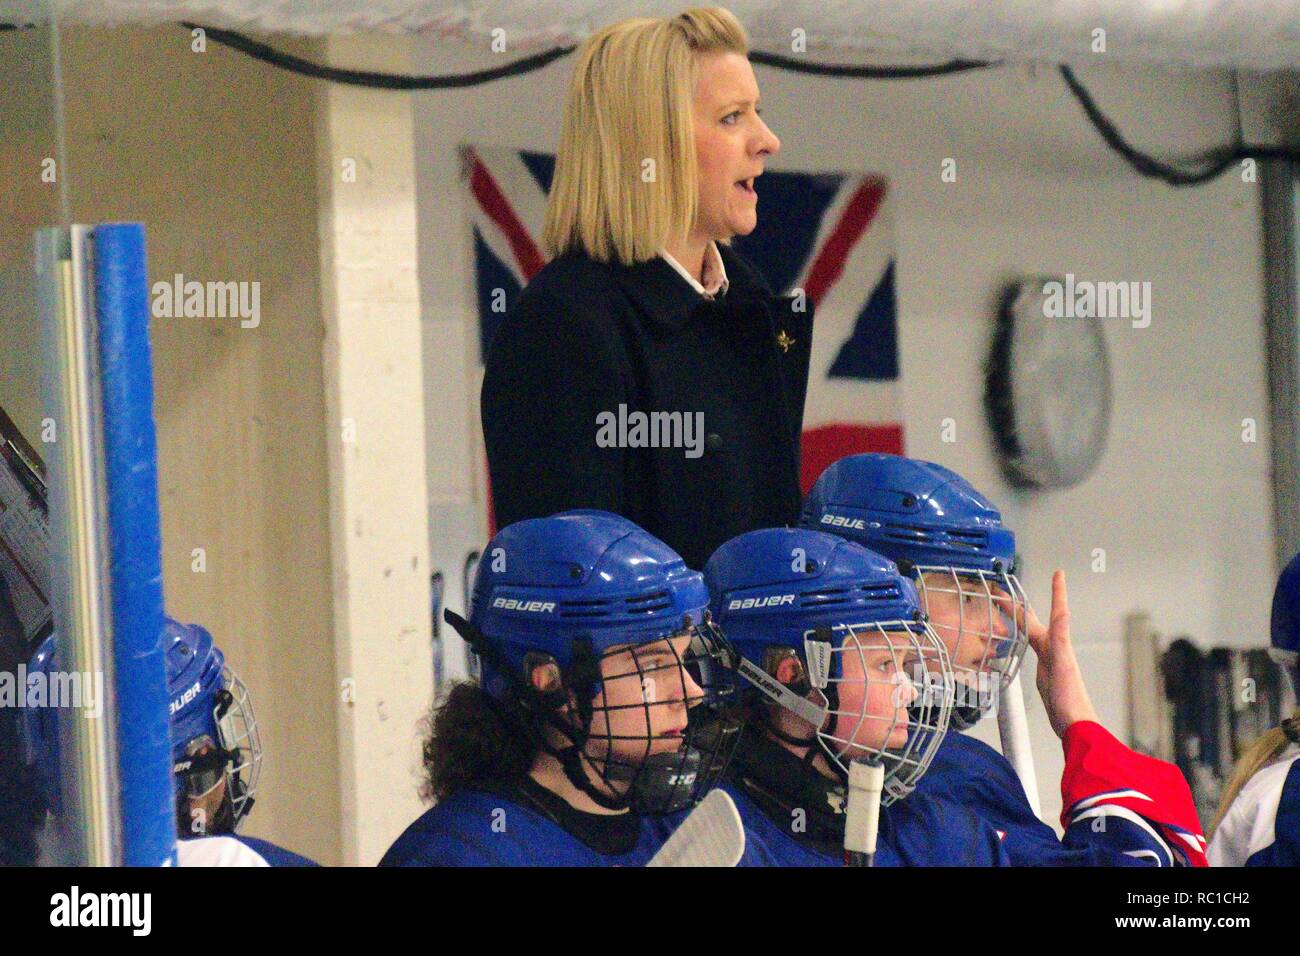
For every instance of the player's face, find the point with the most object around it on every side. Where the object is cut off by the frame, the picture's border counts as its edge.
(966, 613)
(642, 706)
(203, 802)
(874, 692)
(731, 142)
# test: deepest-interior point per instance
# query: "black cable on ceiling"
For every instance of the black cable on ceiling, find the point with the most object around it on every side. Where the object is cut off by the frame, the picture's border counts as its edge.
(1209, 167)
(849, 71)
(392, 81)
(373, 79)
(1213, 164)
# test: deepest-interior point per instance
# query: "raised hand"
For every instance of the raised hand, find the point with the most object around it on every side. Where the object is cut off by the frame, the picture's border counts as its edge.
(1060, 683)
(1058, 679)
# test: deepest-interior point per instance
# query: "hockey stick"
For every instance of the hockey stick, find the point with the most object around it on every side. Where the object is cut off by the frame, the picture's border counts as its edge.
(1013, 729)
(862, 814)
(711, 835)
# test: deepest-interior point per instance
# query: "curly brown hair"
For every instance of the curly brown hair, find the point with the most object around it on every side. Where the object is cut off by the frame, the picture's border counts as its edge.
(471, 741)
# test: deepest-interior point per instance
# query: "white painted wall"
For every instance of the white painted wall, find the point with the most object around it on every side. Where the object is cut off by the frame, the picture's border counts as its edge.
(194, 147)
(27, 140)
(315, 567)
(375, 396)
(1179, 502)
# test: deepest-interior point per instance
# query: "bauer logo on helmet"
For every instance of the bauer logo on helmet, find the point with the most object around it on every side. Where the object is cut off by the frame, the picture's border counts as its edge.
(535, 607)
(746, 604)
(839, 521)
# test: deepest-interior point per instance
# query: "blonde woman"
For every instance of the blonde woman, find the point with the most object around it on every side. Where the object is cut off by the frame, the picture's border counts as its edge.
(647, 369)
(1259, 818)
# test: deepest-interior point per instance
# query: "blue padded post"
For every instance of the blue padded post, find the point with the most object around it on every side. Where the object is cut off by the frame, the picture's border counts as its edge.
(148, 816)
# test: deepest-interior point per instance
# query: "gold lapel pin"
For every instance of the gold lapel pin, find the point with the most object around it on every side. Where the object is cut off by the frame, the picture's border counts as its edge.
(784, 341)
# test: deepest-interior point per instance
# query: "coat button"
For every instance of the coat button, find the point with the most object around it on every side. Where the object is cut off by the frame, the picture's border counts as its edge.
(712, 441)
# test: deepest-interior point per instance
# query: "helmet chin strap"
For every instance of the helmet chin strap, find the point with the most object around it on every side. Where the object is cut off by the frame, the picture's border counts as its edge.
(965, 716)
(810, 759)
(585, 675)
(832, 693)
(771, 727)
(813, 746)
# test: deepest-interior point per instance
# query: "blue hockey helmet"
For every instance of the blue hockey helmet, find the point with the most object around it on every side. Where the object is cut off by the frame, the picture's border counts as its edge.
(951, 540)
(216, 748)
(216, 745)
(1285, 624)
(552, 584)
(910, 511)
(622, 625)
(832, 632)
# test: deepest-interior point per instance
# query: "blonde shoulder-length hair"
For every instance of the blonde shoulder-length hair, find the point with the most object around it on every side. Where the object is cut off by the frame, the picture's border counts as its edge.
(625, 180)
(1258, 755)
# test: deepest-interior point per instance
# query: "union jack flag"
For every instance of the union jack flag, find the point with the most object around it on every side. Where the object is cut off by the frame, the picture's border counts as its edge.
(829, 234)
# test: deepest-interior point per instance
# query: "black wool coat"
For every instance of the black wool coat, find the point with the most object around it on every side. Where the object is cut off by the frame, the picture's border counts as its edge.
(587, 337)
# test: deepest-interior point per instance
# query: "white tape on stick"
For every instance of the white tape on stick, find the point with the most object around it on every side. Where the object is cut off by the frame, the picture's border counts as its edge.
(712, 835)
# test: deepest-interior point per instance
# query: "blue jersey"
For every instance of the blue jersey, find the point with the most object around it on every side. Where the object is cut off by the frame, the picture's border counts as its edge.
(1262, 827)
(1121, 808)
(918, 831)
(522, 828)
(794, 816)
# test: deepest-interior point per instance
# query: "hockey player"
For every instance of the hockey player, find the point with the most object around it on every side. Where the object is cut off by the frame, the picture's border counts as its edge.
(1259, 817)
(841, 659)
(598, 717)
(1120, 807)
(216, 751)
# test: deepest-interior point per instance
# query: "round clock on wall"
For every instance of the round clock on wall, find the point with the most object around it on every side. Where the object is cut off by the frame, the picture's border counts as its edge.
(1048, 391)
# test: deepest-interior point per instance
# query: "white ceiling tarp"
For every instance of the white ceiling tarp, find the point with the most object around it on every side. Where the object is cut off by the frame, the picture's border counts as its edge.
(1253, 34)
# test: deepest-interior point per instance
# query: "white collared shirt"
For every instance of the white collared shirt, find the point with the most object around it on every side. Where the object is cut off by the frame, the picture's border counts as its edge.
(715, 273)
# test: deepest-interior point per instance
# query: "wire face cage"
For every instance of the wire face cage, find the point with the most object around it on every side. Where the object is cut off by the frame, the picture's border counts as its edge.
(980, 616)
(888, 691)
(241, 738)
(663, 722)
(217, 779)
